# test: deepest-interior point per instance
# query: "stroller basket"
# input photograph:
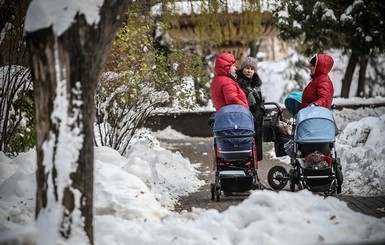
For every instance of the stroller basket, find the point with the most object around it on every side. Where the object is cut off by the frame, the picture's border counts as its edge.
(231, 183)
(318, 178)
(234, 132)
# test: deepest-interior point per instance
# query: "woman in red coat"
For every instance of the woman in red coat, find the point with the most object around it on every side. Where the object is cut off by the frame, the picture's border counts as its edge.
(320, 90)
(224, 88)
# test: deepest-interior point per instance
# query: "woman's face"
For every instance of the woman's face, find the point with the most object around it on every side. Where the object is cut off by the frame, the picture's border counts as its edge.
(312, 69)
(248, 71)
(233, 68)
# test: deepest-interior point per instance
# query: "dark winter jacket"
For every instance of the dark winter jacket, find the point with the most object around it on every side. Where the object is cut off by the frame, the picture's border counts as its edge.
(252, 89)
(320, 90)
(224, 89)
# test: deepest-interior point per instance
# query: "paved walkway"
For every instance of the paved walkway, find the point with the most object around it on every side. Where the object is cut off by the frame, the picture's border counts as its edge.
(371, 205)
(199, 150)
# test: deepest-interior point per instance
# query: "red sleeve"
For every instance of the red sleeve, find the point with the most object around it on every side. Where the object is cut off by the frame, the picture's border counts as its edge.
(234, 95)
(325, 93)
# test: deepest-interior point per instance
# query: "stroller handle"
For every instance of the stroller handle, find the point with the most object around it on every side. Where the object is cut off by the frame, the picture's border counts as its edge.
(274, 104)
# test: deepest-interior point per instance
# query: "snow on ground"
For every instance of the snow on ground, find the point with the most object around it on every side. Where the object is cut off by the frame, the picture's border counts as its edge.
(134, 195)
(137, 192)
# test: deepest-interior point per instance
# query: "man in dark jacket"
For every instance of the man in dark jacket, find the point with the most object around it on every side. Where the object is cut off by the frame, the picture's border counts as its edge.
(320, 89)
(224, 88)
(251, 83)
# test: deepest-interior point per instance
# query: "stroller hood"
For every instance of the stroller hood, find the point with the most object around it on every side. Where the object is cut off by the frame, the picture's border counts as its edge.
(293, 102)
(315, 124)
(233, 117)
(234, 132)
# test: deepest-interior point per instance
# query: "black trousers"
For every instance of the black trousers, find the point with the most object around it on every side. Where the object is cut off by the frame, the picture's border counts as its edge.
(258, 127)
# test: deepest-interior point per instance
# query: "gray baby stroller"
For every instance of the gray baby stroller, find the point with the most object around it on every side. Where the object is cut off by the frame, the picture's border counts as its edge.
(235, 163)
(314, 161)
(276, 128)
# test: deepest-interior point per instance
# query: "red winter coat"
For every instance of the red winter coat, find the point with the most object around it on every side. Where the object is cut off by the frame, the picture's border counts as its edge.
(224, 89)
(320, 90)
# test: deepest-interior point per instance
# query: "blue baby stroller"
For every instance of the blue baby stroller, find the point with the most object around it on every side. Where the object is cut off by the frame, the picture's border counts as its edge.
(235, 163)
(313, 157)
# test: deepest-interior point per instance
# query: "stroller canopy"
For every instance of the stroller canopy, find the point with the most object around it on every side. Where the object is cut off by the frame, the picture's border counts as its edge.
(293, 102)
(234, 132)
(233, 117)
(315, 124)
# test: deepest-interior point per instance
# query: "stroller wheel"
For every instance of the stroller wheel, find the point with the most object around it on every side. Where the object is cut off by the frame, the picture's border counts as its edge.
(292, 186)
(277, 177)
(257, 186)
(218, 194)
(340, 178)
(293, 179)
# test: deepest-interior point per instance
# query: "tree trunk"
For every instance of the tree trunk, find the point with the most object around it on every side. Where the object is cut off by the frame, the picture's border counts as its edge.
(362, 76)
(347, 80)
(65, 71)
(254, 47)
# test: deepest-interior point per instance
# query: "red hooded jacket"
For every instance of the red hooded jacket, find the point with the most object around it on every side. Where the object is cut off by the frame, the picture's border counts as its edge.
(320, 90)
(224, 89)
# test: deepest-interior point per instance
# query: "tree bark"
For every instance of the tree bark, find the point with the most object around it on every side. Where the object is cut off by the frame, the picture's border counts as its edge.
(65, 72)
(254, 47)
(362, 76)
(347, 80)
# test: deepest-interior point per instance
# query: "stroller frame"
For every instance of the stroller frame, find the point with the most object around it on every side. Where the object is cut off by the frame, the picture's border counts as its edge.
(235, 162)
(239, 175)
(328, 180)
